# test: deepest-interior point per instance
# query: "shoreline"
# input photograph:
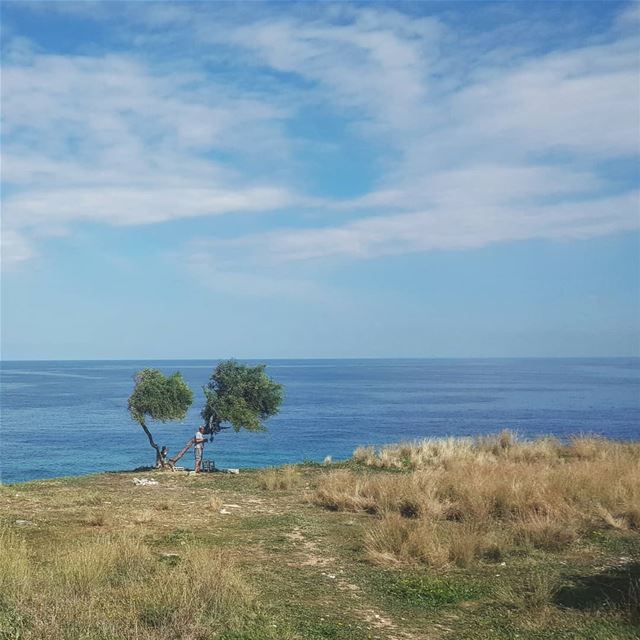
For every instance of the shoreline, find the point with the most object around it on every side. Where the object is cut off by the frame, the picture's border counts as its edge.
(564, 440)
(448, 539)
(311, 463)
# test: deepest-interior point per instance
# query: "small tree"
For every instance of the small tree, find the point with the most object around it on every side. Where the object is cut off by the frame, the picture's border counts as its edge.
(241, 395)
(160, 398)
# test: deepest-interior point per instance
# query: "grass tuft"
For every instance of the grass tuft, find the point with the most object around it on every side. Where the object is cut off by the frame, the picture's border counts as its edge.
(285, 478)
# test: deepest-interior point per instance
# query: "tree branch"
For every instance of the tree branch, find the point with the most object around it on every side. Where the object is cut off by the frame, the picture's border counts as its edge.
(184, 450)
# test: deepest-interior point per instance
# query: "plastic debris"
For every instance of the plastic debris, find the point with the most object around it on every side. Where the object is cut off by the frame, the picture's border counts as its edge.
(144, 482)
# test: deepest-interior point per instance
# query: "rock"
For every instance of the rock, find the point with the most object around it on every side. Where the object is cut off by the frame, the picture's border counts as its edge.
(224, 512)
(234, 471)
(23, 523)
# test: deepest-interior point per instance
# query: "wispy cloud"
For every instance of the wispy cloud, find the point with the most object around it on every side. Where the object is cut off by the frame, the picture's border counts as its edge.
(473, 142)
(514, 150)
(111, 139)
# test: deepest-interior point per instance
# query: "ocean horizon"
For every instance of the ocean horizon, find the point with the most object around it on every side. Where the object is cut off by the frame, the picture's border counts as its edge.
(69, 417)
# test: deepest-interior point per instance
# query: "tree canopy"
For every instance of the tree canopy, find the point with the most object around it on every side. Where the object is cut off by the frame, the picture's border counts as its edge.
(241, 395)
(162, 398)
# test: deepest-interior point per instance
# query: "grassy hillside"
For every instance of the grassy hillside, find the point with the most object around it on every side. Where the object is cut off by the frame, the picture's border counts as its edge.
(487, 538)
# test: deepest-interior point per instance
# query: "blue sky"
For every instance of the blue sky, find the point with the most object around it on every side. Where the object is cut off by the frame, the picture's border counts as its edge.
(203, 180)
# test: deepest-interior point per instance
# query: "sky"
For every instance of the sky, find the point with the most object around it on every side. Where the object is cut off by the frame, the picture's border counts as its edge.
(292, 180)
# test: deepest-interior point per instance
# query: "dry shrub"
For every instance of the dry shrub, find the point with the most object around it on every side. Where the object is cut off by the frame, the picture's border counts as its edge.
(15, 569)
(103, 560)
(464, 499)
(412, 495)
(396, 538)
(203, 589)
(436, 544)
(535, 592)
(287, 477)
(342, 491)
(506, 445)
(632, 517)
(215, 503)
(364, 455)
(144, 517)
(545, 532)
(97, 519)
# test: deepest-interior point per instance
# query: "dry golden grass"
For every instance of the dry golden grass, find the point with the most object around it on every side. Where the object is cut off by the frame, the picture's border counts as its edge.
(144, 516)
(462, 499)
(97, 519)
(115, 586)
(534, 593)
(215, 503)
(287, 477)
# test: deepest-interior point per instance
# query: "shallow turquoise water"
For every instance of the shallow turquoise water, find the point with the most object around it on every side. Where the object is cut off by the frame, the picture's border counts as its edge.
(68, 418)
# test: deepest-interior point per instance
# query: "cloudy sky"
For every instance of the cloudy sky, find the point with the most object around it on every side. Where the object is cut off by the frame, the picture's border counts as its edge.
(320, 180)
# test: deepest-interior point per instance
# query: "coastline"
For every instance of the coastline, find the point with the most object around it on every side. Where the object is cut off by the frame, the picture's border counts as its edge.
(403, 542)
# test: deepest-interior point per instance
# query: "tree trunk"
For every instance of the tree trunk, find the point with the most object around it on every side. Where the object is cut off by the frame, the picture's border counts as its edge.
(182, 451)
(159, 460)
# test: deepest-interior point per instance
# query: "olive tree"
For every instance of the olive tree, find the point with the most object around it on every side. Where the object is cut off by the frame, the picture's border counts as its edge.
(159, 397)
(238, 396)
(241, 395)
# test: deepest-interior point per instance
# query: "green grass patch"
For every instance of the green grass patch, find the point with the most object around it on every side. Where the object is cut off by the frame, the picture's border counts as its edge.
(428, 591)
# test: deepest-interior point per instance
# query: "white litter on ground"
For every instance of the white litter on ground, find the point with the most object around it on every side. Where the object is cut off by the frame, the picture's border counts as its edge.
(144, 482)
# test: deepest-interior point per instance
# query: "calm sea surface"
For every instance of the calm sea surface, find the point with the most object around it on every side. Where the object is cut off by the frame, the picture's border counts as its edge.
(68, 418)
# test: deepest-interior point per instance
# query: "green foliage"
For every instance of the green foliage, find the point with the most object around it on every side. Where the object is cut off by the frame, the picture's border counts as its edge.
(242, 395)
(160, 397)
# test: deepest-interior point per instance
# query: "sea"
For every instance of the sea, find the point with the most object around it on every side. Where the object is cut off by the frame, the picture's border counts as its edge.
(70, 417)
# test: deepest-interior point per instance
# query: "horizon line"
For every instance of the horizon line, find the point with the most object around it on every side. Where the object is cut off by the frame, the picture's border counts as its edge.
(325, 358)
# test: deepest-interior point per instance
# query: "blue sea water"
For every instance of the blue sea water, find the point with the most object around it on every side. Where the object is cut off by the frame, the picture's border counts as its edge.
(68, 418)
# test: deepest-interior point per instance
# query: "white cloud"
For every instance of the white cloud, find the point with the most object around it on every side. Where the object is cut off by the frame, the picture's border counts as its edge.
(512, 153)
(461, 224)
(134, 205)
(473, 146)
(583, 101)
(109, 139)
(377, 65)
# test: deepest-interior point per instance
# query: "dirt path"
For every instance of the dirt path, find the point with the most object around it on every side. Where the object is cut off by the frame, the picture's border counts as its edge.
(309, 554)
